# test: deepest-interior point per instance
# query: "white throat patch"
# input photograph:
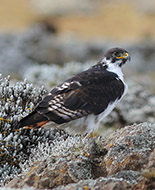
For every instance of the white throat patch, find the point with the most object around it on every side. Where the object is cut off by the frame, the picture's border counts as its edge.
(114, 67)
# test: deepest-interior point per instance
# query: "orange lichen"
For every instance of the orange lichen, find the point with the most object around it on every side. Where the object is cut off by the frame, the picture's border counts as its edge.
(4, 132)
(111, 145)
(86, 155)
(109, 163)
(17, 130)
(31, 170)
(92, 135)
(149, 174)
(2, 150)
(36, 162)
(124, 162)
(86, 187)
(63, 171)
(29, 173)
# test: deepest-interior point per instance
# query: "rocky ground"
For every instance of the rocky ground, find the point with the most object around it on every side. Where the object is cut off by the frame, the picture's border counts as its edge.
(124, 161)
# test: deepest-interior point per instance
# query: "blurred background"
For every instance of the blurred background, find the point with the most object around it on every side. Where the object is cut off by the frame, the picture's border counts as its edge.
(47, 41)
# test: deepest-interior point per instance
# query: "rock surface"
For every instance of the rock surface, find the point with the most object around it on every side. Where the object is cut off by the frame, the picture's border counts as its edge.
(123, 161)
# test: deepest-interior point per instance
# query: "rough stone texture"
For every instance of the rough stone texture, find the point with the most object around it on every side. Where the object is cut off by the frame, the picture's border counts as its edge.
(125, 161)
(129, 148)
(61, 163)
(148, 182)
(100, 183)
(42, 176)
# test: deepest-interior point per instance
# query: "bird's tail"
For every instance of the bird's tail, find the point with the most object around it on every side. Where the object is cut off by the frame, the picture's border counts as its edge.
(33, 121)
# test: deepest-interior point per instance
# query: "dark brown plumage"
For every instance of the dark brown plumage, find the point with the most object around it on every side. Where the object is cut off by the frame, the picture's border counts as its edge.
(88, 93)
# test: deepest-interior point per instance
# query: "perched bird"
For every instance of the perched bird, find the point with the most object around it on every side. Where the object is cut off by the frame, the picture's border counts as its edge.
(81, 102)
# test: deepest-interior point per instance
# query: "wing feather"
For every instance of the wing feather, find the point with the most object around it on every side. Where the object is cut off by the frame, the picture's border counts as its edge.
(86, 93)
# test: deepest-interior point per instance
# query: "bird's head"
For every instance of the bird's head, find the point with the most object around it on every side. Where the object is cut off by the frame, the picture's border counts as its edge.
(116, 56)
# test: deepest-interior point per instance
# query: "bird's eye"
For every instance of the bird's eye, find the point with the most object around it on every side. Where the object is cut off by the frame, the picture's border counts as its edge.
(116, 54)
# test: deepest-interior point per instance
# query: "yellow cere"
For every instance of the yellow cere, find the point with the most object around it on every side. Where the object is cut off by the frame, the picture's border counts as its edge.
(126, 54)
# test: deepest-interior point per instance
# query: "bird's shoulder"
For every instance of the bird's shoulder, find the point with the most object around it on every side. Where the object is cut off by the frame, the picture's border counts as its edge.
(96, 79)
(87, 90)
(96, 75)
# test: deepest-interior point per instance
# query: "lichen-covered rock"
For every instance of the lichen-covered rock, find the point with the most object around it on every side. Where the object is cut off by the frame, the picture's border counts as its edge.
(129, 148)
(148, 174)
(79, 162)
(41, 176)
(97, 184)
(62, 162)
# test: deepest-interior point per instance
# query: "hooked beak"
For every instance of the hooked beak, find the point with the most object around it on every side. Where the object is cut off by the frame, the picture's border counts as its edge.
(126, 56)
